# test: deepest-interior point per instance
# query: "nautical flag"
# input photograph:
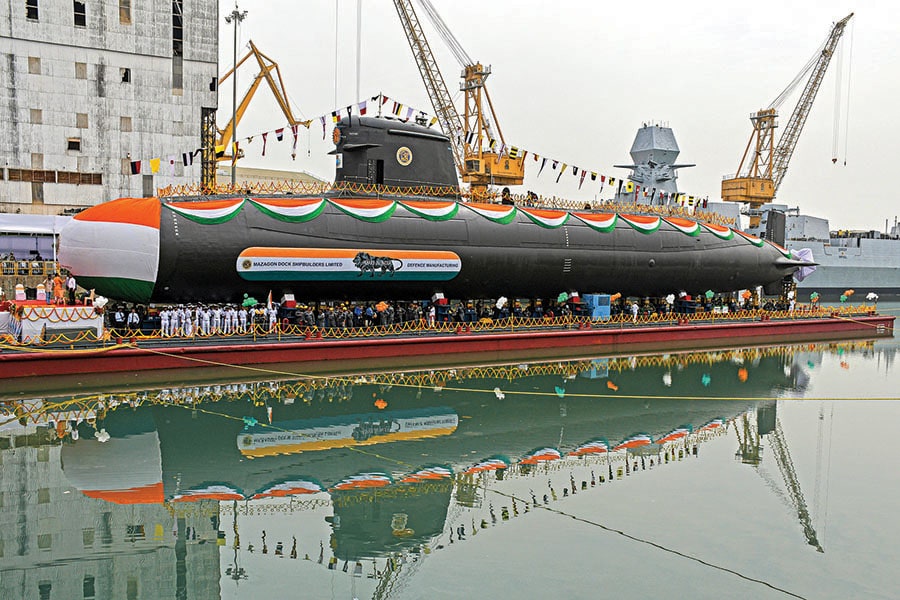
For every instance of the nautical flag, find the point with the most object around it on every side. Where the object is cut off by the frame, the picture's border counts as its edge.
(619, 189)
(154, 165)
(524, 154)
(349, 111)
(502, 150)
(470, 137)
(384, 99)
(432, 121)
(322, 119)
(264, 136)
(612, 181)
(397, 108)
(294, 146)
(335, 116)
(362, 108)
(187, 158)
(409, 113)
(629, 187)
(554, 165)
(220, 151)
(513, 152)
(269, 301)
(574, 170)
(593, 176)
(492, 144)
(135, 167)
(543, 164)
(561, 171)
(583, 173)
(279, 134)
(603, 179)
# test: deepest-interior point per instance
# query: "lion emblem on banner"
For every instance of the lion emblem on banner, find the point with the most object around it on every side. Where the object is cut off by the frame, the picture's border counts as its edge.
(366, 263)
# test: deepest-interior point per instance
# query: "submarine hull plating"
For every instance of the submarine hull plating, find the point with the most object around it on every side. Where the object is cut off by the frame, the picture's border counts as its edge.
(334, 248)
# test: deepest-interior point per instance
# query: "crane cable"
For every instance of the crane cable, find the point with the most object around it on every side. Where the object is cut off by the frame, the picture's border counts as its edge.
(847, 110)
(462, 57)
(836, 130)
(779, 100)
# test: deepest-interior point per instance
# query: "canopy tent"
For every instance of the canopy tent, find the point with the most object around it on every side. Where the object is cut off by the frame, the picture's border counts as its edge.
(32, 224)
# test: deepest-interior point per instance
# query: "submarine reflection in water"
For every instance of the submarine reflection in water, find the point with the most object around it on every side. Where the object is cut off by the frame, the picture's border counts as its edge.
(373, 471)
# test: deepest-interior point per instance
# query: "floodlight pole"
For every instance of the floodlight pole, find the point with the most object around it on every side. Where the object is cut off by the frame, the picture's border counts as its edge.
(235, 16)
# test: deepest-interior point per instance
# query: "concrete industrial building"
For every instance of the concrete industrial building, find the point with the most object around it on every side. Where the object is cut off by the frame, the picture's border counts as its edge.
(88, 89)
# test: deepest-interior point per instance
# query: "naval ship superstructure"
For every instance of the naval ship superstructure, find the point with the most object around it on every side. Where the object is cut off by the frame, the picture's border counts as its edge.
(863, 261)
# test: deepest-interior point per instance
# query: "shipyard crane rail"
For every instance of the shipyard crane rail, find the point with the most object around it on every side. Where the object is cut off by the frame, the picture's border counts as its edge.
(224, 142)
(479, 160)
(761, 171)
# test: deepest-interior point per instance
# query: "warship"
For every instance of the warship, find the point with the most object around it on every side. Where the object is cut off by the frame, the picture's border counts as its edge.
(864, 261)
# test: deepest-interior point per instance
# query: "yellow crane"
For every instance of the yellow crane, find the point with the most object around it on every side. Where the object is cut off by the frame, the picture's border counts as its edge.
(482, 156)
(764, 163)
(224, 142)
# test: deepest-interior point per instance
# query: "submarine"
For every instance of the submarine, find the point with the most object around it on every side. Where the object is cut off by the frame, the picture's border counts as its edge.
(394, 225)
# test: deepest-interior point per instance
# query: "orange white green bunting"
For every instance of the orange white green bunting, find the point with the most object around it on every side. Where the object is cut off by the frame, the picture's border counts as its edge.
(675, 434)
(373, 211)
(293, 210)
(428, 474)
(638, 439)
(491, 464)
(433, 211)
(685, 226)
(603, 223)
(207, 213)
(363, 480)
(289, 488)
(542, 455)
(211, 492)
(758, 242)
(642, 223)
(719, 231)
(502, 214)
(551, 219)
(595, 447)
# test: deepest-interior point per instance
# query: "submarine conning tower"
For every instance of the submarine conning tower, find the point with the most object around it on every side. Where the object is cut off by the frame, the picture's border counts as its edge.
(393, 153)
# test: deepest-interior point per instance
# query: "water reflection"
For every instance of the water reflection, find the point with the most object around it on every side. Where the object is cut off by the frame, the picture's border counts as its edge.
(174, 492)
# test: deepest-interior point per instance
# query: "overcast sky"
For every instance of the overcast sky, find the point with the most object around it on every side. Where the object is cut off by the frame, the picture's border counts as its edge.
(574, 80)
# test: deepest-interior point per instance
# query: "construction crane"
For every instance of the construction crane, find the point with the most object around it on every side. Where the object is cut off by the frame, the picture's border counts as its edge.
(482, 157)
(223, 141)
(750, 452)
(764, 163)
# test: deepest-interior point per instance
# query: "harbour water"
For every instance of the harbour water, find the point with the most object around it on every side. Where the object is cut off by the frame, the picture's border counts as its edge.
(739, 473)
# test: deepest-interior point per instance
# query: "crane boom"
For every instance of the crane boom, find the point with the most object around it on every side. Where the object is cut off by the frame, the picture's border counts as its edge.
(448, 116)
(788, 140)
(223, 140)
(786, 466)
(476, 165)
(761, 171)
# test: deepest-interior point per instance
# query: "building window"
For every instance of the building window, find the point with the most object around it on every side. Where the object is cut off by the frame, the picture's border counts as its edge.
(126, 75)
(43, 495)
(37, 162)
(80, 70)
(131, 588)
(177, 27)
(73, 144)
(87, 537)
(125, 12)
(34, 65)
(134, 532)
(31, 10)
(80, 14)
(87, 587)
(125, 123)
(81, 120)
(37, 116)
(45, 541)
(44, 588)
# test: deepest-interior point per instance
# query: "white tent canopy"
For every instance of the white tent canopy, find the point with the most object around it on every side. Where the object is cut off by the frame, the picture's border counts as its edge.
(32, 224)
